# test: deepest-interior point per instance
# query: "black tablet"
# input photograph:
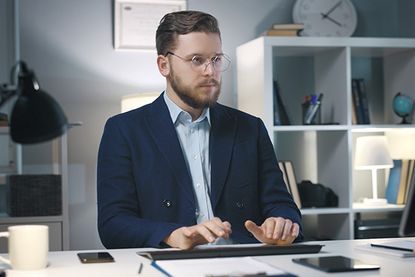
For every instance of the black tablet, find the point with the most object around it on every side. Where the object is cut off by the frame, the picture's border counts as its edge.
(335, 264)
(239, 251)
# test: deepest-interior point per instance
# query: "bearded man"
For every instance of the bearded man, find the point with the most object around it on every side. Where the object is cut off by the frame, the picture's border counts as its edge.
(186, 170)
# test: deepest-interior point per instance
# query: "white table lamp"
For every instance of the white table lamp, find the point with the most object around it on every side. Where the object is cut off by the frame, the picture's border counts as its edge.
(133, 101)
(372, 154)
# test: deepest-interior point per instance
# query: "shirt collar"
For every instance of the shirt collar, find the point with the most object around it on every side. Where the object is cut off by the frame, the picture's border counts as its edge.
(175, 111)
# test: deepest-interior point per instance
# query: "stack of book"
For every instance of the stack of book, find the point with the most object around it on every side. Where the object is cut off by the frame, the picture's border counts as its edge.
(287, 30)
(401, 178)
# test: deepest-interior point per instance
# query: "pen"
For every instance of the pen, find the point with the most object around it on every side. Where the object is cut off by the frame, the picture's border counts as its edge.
(140, 268)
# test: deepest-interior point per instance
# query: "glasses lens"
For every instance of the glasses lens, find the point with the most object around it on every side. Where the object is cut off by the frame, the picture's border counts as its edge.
(219, 63)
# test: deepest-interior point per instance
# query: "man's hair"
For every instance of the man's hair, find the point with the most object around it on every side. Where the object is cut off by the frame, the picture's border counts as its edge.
(181, 23)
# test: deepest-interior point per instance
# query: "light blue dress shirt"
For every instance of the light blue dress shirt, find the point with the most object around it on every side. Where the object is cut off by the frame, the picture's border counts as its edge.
(194, 141)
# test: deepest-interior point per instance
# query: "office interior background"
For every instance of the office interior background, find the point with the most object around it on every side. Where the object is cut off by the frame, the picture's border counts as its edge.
(69, 44)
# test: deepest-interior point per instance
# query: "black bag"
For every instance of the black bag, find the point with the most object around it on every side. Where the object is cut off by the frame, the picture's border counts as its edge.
(317, 195)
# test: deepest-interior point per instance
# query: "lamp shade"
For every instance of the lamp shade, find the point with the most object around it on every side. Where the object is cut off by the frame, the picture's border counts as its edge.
(401, 144)
(134, 101)
(36, 116)
(372, 153)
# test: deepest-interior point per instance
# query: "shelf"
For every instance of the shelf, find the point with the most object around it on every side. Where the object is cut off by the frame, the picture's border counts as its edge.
(4, 130)
(296, 128)
(360, 207)
(311, 211)
(324, 154)
(381, 128)
(6, 219)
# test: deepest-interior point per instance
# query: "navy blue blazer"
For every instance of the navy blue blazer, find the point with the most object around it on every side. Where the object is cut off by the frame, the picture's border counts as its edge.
(145, 191)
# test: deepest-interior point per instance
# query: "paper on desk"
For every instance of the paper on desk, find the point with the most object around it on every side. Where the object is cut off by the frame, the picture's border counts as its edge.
(216, 266)
(385, 251)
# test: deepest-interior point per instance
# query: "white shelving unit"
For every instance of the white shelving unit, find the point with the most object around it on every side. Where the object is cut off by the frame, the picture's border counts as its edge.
(324, 153)
(58, 225)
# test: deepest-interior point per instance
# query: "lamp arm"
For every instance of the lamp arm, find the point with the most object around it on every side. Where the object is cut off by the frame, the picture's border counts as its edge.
(6, 92)
(20, 69)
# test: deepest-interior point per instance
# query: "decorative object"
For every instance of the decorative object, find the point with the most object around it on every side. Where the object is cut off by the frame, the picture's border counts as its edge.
(34, 195)
(372, 154)
(403, 106)
(134, 101)
(136, 21)
(36, 116)
(331, 18)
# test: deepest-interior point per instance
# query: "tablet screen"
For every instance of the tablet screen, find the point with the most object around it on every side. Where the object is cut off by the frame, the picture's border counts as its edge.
(335, 264)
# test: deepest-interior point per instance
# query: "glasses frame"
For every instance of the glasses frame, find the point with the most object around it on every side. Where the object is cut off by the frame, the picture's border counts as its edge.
(208, 61)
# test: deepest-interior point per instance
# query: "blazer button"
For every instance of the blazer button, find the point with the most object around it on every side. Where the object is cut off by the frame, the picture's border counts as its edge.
(240, 205)
(167, 203)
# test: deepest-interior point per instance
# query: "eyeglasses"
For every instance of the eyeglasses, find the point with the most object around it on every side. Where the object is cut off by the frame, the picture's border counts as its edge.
(198, 63)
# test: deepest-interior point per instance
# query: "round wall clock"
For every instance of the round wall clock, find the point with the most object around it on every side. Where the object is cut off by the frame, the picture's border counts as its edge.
(325, 17)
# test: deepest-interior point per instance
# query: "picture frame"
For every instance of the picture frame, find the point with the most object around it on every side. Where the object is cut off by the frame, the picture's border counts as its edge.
(136, 21)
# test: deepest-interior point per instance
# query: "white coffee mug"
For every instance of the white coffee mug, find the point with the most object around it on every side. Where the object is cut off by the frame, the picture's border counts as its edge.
(28, 246)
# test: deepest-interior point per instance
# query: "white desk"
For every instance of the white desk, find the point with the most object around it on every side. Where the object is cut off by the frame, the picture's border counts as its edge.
(66, 263)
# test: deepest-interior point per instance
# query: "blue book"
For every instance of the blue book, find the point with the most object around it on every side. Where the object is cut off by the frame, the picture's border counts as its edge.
(392, 187)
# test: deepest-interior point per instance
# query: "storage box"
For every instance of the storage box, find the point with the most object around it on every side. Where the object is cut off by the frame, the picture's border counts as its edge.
(34, 195)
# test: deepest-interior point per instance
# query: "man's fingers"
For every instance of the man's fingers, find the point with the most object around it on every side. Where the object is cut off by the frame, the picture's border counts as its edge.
(295, 230)
(218, 228)
(254, 229)
(286, 232)
(269, 226)
(228, 226)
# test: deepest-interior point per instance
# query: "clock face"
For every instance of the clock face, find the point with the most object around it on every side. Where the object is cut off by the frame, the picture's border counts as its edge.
(325, 17)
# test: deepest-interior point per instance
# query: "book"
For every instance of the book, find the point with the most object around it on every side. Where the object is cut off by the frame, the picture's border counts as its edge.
(290, 30)
(409, 182)
(281, 110)
(284, 175)
(403, 182)
(392, 186)
(364, 101)
(289, 26)
(282, 32)
(354, 116)
(357, 102)
(292, 181)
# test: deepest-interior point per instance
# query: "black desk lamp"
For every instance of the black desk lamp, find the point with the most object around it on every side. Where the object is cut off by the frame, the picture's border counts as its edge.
(36, 116)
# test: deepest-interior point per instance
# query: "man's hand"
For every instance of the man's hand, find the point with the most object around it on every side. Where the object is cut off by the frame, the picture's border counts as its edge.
(206, 232)
(274, 230)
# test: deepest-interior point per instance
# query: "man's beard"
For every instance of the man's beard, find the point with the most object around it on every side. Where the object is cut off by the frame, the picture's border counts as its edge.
(190, 96)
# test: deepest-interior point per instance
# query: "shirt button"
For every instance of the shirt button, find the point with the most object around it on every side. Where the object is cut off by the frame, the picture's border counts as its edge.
(195, 157)
(240, 205)
(167, 203)
(198, 185)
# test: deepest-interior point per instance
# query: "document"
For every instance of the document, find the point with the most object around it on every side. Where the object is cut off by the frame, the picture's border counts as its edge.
(403, 245)
(402, 249)
(236, 266)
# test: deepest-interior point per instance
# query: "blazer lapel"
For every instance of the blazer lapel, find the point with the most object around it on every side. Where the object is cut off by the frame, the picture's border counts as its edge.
(222, 136)
(165, 136)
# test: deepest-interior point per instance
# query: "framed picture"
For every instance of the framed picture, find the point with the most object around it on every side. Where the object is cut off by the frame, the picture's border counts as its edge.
(136, 21)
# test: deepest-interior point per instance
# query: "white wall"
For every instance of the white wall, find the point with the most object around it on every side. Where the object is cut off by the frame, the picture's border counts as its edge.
(69, 45)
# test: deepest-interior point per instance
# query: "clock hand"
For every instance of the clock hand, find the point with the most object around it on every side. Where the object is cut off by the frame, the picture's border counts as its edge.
(331, 19)
(325, 15)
